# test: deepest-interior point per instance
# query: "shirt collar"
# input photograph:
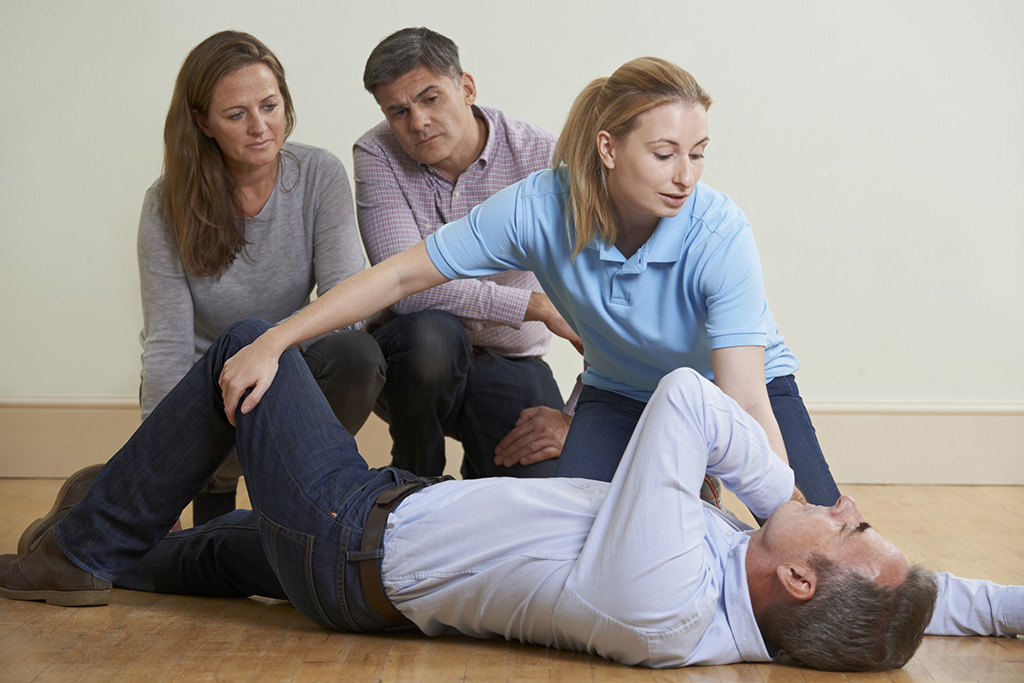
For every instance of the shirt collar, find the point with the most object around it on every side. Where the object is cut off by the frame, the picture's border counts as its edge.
(666, 245)
(739, 611)
(485, 156)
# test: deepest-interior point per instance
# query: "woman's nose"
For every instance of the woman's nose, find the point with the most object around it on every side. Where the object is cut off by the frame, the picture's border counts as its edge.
(257, 125)
(684, 174)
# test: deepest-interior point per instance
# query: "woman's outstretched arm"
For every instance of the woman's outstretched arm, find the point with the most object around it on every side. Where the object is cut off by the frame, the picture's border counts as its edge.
(348, 302)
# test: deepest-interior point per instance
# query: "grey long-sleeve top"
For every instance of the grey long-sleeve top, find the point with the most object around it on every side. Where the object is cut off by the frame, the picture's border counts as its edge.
(304, 236)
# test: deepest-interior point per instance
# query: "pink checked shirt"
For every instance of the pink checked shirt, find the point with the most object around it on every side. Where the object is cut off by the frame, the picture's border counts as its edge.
(400, 201)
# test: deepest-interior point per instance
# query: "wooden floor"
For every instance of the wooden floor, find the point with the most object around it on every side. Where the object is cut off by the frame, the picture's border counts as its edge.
(973, 531)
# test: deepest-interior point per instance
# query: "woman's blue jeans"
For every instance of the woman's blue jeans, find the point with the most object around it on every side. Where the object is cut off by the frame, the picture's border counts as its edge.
(604, 422)
(310, 490)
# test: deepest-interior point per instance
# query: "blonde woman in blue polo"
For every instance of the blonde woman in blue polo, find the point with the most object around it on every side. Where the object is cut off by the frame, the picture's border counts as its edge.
(669, 277)
(650, 268)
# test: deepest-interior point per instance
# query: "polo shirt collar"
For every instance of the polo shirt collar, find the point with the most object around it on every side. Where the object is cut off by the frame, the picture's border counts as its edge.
(666, 245)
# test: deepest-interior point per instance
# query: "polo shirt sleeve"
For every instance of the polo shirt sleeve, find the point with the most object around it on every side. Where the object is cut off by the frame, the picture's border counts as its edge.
(732, 284)
(485, 241)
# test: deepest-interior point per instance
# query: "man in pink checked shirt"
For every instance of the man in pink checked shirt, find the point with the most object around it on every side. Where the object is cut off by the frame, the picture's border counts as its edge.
(464, 359)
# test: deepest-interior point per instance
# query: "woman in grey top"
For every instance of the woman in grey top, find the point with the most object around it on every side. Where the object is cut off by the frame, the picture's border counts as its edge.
(242, 224)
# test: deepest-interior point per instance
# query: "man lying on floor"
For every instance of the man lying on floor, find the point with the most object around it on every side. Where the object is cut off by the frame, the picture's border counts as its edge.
(638, 570)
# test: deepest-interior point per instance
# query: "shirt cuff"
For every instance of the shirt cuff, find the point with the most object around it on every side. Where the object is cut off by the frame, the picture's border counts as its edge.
(517, 302)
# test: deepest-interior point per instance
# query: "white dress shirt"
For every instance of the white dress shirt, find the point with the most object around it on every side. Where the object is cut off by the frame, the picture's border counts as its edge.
(638, 570)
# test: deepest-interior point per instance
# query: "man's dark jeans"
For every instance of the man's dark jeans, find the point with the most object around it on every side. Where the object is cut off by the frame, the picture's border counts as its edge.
(439, 385)
(310, 490)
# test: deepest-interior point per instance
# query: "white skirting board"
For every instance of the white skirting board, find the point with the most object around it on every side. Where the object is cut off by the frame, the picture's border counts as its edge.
(864, 443)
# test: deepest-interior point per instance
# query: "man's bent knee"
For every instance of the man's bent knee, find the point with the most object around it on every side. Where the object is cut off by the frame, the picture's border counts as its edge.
(432, 345)
(357, 354)
(432, 331)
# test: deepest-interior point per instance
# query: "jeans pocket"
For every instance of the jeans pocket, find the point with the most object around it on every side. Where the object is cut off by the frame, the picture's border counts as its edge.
(291, 555)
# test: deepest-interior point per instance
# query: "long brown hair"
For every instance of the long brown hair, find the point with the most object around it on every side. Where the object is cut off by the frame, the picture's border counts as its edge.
(199, 200)
(612, 104)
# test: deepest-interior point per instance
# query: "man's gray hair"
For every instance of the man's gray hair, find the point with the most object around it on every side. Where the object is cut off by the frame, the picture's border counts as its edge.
(407, 49)
(851, 623)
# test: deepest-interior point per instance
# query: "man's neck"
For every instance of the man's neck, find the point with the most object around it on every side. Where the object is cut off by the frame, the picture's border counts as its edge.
(760, 578)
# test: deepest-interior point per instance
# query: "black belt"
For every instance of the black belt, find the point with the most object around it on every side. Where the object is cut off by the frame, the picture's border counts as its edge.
(372, 545)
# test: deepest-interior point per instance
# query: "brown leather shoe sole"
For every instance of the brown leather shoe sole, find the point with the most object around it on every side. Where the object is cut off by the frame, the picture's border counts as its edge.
(92, 598)
(47, 574)
(35, 530)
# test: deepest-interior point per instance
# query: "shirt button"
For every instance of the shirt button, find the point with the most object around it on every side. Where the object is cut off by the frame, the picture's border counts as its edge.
(457, 194)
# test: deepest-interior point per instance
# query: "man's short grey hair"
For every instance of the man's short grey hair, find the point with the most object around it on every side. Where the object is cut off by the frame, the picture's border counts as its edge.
(407, 49)
(851, 623)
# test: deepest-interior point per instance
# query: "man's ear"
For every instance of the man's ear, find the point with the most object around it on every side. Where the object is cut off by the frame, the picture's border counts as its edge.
(798, 580)
(606, 148)
(468, 86)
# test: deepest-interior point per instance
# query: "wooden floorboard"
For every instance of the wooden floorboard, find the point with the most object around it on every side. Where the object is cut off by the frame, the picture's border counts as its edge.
(971, 530)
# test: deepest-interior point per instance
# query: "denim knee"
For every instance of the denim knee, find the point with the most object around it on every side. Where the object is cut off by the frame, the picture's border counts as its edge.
(349, 368)
(247, 329)
(431, 345)
(357, 353)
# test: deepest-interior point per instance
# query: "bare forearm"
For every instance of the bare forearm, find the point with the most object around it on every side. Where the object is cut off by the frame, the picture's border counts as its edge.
(473, 299)
(389, 228)
(766, 418)
(350, 301)
(361, 295)
(739, 372)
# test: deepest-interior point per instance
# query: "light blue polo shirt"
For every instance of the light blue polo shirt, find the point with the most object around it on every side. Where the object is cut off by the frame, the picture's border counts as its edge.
(694, 286)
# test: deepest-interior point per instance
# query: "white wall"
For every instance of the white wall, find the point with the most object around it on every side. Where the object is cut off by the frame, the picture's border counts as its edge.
(875, 146)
